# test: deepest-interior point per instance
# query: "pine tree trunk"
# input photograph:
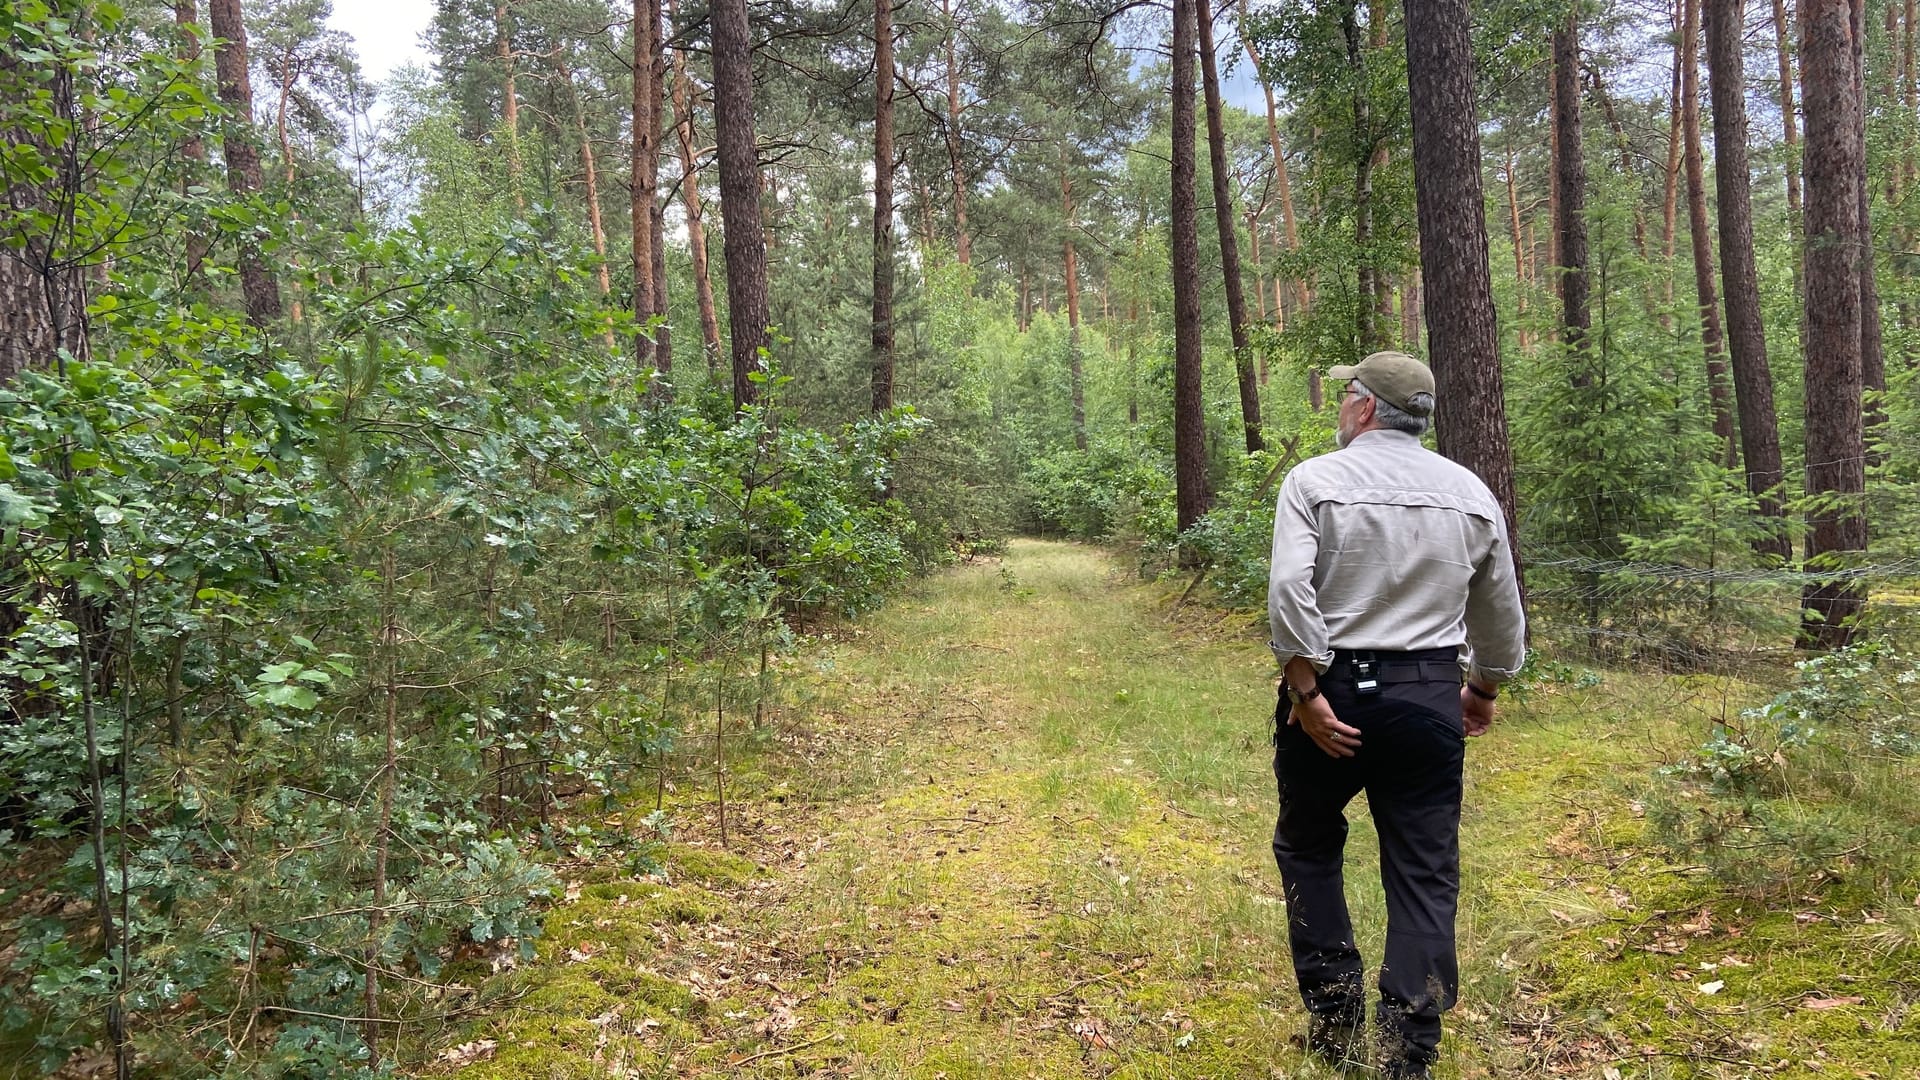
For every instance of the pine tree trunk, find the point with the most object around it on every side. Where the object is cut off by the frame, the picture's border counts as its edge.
(1711, 341)
(1790, 134)
(1747, 340)
(746, 251)
(656, 108)
(257, 283)
(1076, 366)
(1671, 194)
(1911, 78)
(1280, 177)
(1873, 360)
(1410, 312)
(1369, 336)
(1553, 187)
(509, 102)
(590, 175)
(643, 192)
(194, 148)
(42, 290)
(280, 115)
(1463, 340)
(1835, 450)
(1520, 283)
(1229, 239)
(1191, 495)
(1624, 146)
(882, 205)
(962, 244)
(1253, 256)
(683, 99)
(1570, 182)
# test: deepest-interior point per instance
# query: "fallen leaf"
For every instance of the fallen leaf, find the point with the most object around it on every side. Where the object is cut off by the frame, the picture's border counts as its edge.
(1712, 988)
(468, 1053)
(1830, 1003)
(1093, 1031)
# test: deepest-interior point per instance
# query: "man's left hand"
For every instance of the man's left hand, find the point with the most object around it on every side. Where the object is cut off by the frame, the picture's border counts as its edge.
(1476, 712)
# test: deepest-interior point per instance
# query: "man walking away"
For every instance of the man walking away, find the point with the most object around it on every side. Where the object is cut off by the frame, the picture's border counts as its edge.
(1392, 579)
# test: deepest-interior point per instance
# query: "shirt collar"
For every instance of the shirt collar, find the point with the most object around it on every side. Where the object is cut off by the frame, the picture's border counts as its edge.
(1385, 437)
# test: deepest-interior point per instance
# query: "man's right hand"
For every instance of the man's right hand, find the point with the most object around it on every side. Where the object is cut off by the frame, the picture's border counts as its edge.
(1316, 718)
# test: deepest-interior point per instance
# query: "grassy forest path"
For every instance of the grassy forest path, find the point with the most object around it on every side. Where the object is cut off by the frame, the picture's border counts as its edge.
(1018, 824)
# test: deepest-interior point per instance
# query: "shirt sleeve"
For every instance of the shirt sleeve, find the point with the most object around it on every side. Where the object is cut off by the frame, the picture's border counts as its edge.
(1293, 609)
(1496, 624)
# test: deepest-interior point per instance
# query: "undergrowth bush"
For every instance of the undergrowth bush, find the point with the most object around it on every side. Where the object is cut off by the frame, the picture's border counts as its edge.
(1116, 488)
(1816, 782)
(312, 642)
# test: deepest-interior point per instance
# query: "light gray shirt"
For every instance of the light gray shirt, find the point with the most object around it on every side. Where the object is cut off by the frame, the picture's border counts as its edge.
(1387, 545)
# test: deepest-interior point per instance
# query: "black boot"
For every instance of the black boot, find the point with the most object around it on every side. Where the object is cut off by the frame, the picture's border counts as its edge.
(1398, 1060)
(1338, 1039)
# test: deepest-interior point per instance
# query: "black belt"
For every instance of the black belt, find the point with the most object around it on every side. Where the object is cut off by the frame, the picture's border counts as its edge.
(1421, 665)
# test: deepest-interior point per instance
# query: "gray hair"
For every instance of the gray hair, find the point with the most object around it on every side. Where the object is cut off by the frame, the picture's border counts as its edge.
(1389, 415)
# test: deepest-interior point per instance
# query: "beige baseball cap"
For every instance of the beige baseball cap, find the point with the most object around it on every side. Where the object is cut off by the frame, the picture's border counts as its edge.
(1394, 376)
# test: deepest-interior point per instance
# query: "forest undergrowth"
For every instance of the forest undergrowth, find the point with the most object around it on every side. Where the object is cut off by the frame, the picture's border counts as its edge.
(1017, 824)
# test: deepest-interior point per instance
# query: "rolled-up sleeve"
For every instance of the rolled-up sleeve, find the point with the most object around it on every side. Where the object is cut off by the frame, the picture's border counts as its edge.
(1293, 610)
(1496, 624)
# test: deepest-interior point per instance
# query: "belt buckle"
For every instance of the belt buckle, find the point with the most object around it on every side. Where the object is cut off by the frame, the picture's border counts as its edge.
(1366, 673)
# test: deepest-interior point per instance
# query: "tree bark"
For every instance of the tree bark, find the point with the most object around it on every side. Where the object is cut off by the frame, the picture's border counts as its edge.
(1835, 451)
(257, 283)
(1253, 256)
(745, 244)
(1873, 361)
(42, 290)
(656, 107)
(1229, 238)
(882, 205)
(1747, 339)
(1191, 495)
(1280, 177)
(194, 148)
(590, 175)
(643, 188)
(1076, 366)
(1463, 341)
(683, 100)
(509, 102)
(1710, 337)
(1624, 145)
(1410, 312)
(1671, 194)
(1570, 183)
(962, 244)
(1520, 282)
(1790, 134)
(1370, 337)
(1911, 78)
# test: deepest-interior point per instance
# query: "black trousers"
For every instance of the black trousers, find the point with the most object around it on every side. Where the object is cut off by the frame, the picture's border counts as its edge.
(1412, 749)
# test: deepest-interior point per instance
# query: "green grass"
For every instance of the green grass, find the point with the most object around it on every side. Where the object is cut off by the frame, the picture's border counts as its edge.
(1018, 824)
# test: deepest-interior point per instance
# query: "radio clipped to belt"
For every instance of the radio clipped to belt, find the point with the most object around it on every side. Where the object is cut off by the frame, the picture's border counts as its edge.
(1366, 673)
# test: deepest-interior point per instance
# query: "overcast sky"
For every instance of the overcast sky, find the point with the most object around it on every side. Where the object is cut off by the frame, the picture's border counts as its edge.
(387, 35)
(385, 32)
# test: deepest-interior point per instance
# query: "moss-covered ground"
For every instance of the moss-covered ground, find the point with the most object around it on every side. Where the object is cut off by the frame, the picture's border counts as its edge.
(1018, 824)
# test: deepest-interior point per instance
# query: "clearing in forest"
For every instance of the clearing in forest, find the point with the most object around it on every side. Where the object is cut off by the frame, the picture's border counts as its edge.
(1017, 824)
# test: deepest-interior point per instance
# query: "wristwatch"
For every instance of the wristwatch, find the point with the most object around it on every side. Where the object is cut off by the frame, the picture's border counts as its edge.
(1299, 697)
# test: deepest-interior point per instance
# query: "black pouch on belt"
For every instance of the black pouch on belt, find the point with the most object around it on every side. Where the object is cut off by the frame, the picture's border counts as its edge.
(1366, 674)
